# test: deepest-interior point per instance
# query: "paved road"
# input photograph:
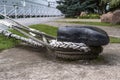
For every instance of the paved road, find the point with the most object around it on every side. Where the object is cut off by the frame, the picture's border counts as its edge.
(81, 20)
(31, 21)
(3, 27)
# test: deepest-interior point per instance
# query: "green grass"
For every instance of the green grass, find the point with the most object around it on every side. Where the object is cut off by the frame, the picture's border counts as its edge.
(6, 43)
(92, 23)
(16, 32)
(51, 30)
(114, 40)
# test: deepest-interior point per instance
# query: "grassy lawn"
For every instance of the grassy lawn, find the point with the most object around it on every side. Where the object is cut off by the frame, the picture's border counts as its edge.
(51, 30)
(114, 40)
(6, 43)
(92, 23)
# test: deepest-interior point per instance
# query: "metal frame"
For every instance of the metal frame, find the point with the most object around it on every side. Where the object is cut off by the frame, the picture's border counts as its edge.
(30, 9)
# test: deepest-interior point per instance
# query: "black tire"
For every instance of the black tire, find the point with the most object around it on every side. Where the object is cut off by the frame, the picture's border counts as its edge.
(68, 54)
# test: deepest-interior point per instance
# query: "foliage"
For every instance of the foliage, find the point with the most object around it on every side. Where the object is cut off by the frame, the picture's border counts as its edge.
(114, 4)
(90, 16)
(102, 6)
(72, 8)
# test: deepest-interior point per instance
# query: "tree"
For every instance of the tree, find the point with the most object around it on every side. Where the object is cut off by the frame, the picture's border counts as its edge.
(72, 8)
(114, 4)
(69, 7)
(102, 6)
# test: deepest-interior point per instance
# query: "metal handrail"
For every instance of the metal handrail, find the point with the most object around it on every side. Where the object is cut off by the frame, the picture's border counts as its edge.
(38, 11)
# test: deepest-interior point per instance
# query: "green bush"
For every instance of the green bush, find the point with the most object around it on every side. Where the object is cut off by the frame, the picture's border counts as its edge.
(90, 16)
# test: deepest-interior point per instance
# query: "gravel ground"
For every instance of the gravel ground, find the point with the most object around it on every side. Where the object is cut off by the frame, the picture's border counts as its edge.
(27, 63)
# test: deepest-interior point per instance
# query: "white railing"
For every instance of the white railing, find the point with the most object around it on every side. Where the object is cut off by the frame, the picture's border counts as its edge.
(29, 11)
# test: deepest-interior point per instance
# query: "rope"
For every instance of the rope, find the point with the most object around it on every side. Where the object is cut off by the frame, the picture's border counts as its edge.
(66, 45)
(53, 43)
(11, 35)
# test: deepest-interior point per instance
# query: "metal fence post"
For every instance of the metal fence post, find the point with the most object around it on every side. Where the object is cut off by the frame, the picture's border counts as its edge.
(24, 11)
(15, 12)
(31, 11)
(5, 13)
